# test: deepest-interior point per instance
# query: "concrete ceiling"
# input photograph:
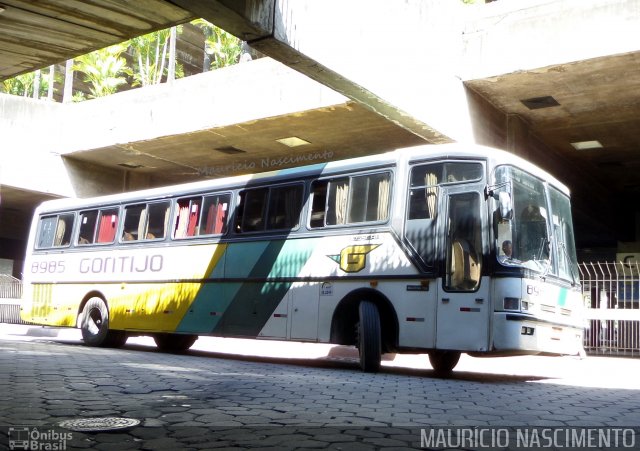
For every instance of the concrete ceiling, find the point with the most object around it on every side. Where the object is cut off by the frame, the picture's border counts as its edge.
(596, 100)
(336, 132)
(34, 35)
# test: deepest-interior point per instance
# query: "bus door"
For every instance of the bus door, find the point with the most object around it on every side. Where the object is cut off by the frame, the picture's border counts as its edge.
(462, 312)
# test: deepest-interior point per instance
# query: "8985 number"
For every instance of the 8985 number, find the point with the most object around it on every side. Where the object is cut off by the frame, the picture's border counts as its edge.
(47, 267)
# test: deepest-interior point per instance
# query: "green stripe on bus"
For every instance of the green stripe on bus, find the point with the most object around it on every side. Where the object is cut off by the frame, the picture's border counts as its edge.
(243, 308)
(562, 298)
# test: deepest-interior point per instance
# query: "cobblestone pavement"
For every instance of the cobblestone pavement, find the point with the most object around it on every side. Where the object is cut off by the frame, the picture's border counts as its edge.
(275, 401)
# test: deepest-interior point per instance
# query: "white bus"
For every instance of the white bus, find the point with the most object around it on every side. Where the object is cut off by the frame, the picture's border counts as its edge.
(400, 253)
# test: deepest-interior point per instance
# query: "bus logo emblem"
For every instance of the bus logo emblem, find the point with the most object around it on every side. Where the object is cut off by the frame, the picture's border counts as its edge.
(353, 258)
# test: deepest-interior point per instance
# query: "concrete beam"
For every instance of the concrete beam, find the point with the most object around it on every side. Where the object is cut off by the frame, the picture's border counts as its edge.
(29, 129)
(398, 59)
(248, 19)
(36, 134)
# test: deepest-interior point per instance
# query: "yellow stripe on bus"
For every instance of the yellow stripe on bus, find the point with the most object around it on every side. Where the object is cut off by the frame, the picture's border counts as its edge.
(158, 307)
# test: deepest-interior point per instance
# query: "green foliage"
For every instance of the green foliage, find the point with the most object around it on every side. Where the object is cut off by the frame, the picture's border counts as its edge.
(78, 97)
(151, 58)
(105, 70)
(222, 46)
(23, 85)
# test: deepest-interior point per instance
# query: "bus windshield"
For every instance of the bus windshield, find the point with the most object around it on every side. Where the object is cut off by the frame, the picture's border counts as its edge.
(525, 238)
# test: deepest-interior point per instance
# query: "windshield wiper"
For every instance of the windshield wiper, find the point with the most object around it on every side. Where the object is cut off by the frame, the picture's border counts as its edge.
(544, 242)
(563, 246)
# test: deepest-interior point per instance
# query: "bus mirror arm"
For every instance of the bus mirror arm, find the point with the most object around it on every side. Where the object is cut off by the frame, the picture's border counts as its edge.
(492, 190)
(503, 197)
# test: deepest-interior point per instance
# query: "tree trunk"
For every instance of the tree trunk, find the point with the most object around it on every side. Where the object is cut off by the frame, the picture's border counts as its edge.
(68, 82)
(171, 75)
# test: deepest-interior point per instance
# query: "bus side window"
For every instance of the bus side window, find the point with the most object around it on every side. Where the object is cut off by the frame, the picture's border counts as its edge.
(251, 210)
(369, 198)
(97, 226)
(285, 205)
(64, 229)
(47, 232)
(88, 222)
(187, 215)
(318, 203)
(214, 215)
(157, 221)
(55, 231)
(107, 226)
(134, 220)
(338, 199)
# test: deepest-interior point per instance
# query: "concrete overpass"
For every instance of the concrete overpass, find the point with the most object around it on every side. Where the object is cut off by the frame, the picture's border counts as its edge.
(534, 77)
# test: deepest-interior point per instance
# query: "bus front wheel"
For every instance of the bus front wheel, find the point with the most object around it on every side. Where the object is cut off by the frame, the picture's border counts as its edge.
(443, 362)
(369, 341)
(174, 342)
(95, 326)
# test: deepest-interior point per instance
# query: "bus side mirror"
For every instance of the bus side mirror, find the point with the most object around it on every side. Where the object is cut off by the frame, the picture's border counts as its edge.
(504, 206)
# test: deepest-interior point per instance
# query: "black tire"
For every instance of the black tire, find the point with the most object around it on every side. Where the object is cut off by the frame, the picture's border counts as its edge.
(95, 325)
(443, 362)
(369, 337)
(116, 339)
(174, 342)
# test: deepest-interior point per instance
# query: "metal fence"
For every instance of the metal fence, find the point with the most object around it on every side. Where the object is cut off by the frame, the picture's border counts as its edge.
(10, 295)
(611, 292)
(10, 287)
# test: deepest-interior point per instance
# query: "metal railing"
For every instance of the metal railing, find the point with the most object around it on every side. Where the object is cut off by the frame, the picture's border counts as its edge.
(10, 287)
(10, 295)
(611, 292)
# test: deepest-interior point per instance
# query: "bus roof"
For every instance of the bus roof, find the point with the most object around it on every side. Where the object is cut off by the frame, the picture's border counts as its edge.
(416, 153)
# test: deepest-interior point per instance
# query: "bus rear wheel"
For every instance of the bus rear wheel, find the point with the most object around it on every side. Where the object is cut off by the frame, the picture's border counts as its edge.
(443, 362)
(95, 325)
(174, 342)
(369, 337)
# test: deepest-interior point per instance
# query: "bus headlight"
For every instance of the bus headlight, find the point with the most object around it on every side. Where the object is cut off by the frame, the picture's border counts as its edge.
(511, 303)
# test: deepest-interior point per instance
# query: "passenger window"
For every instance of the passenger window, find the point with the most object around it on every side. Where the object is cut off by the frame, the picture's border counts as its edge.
(369, 199)
(350, 200)
(214, 214)
(188, 214)
(285, 205)
(199, 216)
(97, 226)
(318, 203)
(274, 208)
(88, 221)
(107, 225)
(55, 231)
(252, 209)
(338, 199)
(145, 222)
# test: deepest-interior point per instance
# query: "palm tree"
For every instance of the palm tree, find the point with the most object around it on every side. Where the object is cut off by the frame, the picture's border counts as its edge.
(150, 57)
(23, 85)
(225, 48)
(105, 70)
